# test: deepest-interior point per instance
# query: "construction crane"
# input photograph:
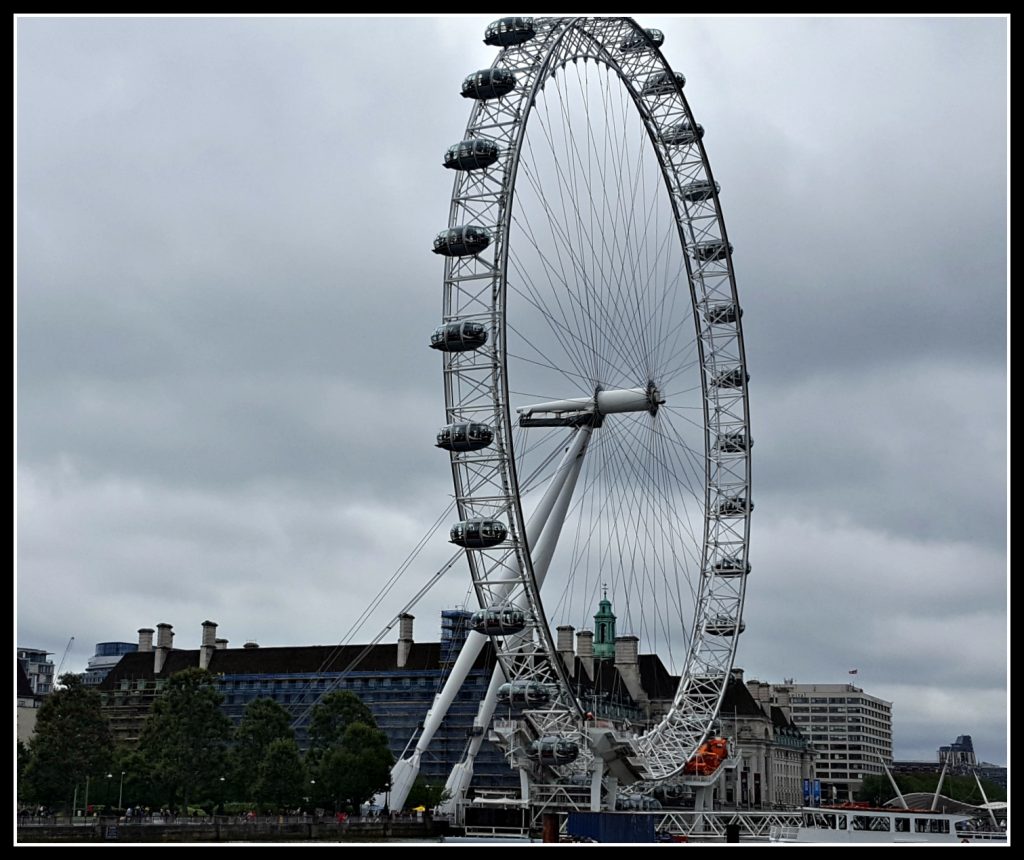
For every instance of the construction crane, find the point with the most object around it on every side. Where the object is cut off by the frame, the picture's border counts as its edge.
(64, 659)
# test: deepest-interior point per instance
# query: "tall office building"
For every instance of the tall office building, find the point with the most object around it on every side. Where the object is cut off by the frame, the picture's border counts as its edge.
(850, 729)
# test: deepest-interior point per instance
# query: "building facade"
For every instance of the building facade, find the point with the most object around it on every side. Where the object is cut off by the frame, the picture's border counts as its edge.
(38, 669)
(850, 730)
(107, 656)
(28, 705)
(960, 759)
(958, 754)
(775, 756)
(396, 681)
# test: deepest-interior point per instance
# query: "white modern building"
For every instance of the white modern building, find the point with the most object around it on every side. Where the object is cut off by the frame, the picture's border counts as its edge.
(38, 669)
(850, 729)
(107, 656)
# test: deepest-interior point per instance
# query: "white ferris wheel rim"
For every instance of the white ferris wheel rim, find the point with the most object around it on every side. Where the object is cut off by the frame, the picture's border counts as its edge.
(476, 287)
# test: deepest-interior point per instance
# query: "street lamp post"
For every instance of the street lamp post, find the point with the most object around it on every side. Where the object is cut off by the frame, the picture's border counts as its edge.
(120, 791)
(106, 793)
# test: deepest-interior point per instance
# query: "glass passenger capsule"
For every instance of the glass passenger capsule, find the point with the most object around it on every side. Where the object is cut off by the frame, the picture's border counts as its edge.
(735, 441)
(700, 190)
(488, 84)
(682, 134)
(478, 534)
(716, 249)
(459, 336)
(471, 154)
(730, 565)
(553, 751)
(734, 506)
(734, 378)
(464, 437)
(723, 625)
(663, 83)
(723, 313)
(509, 31)
(498, 621)
(649, 38)
(523, 694)
(462, 241)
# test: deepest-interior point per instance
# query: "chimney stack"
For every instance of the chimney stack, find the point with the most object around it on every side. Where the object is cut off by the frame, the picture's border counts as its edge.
(627, 664)
(164, 637)
(585, 651)
(220, 644)
(251, 644)
(565, 646)
(627, 651)
(209, 644)
(146, 639)
(404, 639)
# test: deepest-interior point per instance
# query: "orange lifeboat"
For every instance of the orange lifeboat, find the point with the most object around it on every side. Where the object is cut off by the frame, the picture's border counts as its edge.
(708, 758)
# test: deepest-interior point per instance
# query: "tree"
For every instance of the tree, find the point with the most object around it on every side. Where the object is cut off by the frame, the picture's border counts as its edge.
(357, 767)
(877, 789)
(185, 736)
(348, 754)
(281, 776)
(23, 759)
(263, 723)
(333, 715)
(71, 742)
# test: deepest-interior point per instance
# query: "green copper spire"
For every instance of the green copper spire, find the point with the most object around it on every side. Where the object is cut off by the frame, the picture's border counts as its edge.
(604, 629)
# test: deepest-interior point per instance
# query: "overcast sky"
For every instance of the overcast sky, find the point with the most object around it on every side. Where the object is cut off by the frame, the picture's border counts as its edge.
(224, 292)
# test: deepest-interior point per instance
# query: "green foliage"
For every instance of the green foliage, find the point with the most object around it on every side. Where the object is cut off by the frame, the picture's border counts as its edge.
(354, 769)
(281, 776)
(422, 794)
(263, 723)
(348, 755)
(333, 715)
(139, 788)
(877, 788)
(185, 736)
(23, 758)
(71, 742)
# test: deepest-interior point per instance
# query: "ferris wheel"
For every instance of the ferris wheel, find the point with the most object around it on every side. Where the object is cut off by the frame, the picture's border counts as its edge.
(595, 387)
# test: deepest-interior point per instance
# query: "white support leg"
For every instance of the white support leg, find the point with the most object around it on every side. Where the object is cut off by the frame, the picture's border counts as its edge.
(595, 785)
(462, 774)
(405, 771)
(524, 786)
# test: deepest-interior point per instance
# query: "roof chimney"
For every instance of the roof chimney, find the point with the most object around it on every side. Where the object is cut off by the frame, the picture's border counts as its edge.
(220, 644)
(627, 664)
(565, 645)
(209, 644)
(164, 637)
(627, 650)
(146, 639)
(251, 644)
(404, 639)
(585, 651)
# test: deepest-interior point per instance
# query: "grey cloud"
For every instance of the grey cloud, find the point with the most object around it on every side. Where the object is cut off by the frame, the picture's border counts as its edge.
(225, 400)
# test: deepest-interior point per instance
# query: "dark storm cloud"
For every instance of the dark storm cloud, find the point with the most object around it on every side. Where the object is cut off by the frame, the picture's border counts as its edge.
(226, 403)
